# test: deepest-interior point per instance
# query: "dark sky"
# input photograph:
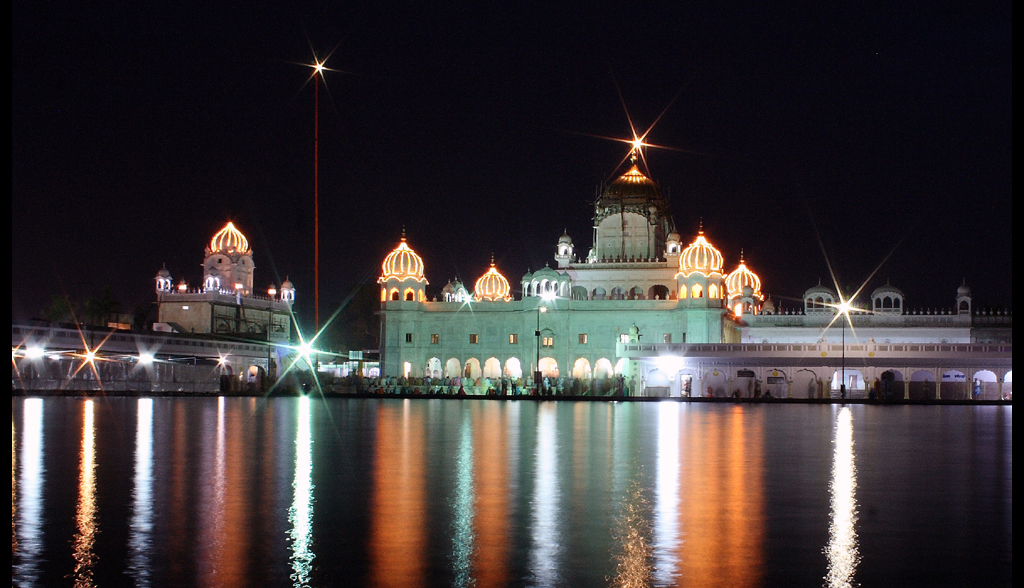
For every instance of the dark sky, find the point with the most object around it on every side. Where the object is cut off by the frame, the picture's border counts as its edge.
(852, 129)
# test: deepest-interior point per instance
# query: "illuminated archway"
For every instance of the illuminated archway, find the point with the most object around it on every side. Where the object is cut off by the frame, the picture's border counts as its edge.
(603, 368)
(452, 368)
(549, 367)
(581, 369)
(472, 369)
(492, 368)
(513, 368)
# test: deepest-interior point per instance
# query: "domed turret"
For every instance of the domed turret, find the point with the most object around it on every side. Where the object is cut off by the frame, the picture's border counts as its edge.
(229, 261)
(287, 291)
(164, 283)
(564, 250)
(701, 256)
(963, 298)
(229, 240)
(402, 275)
(492, 286)
(887, 299)
(742, 277)
(454, 291)
(819, 299)
(631, 219)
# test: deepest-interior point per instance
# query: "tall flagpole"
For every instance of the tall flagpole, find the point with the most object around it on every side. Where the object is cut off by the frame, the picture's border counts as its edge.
(316, 196)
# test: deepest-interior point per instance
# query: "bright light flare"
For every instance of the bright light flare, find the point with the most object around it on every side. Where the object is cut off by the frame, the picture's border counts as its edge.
(34, 352)
(146, 358)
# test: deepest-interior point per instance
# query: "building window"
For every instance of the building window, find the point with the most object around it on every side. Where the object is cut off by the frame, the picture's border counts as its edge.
(548, 342)
(474, 339)
(668, 337)
(435, 339)
(408, 337)
(513, 339)
(583, 338)
(623, 337)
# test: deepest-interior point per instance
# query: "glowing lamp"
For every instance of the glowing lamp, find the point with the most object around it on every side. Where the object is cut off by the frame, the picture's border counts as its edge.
(34, 352)
(146, 358)
(271, 291)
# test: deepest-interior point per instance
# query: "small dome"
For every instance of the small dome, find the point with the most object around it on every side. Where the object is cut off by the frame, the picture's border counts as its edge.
(742, 278)
(674, 236)
(565, 239)
(768, 307)
(887, 289)
(287, 284)
(492, 286)
(819, 290)
(963, 290)
(402, 264)
(229, 240)
(700, 256)
(163, 273)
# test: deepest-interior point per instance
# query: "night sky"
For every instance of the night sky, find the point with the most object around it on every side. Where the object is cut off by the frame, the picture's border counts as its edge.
(853, 130)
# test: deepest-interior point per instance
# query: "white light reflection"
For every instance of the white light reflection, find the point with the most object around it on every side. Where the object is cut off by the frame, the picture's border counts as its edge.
(141, 527)
(300, 515)
(85, 517)
(545, 550)
(666, 509)
(30, 506)
(842, 544)
(463, 538)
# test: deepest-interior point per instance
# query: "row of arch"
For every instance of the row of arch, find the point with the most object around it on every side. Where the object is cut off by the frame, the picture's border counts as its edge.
(807, 383)
(492, 367)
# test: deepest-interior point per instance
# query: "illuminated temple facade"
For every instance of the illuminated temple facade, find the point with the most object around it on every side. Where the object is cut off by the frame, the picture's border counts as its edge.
(225, 302)
(640, 284)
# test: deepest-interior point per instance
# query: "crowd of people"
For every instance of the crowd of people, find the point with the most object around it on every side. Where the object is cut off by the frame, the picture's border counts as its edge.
(503, 386)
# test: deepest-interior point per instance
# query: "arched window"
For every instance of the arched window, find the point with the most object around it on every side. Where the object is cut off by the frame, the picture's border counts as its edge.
(712, 291)
(697, 291)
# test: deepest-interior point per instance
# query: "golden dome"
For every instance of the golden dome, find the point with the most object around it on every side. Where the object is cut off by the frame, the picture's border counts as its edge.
(492, 286)
(229, 240)
(740, 278)
(402, 264)
(701, 257)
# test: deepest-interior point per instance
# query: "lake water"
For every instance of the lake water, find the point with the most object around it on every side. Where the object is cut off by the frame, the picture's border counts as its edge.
(461, 492)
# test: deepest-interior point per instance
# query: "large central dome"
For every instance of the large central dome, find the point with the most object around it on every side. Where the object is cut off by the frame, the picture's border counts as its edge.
(632, 191)
(229, 240)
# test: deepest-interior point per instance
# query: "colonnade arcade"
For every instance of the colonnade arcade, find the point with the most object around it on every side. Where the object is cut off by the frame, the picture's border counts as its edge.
(825, 382)
(492, 367)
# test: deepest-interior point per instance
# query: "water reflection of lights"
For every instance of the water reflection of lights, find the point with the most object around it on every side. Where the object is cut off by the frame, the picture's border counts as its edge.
(300, 515)
(29, 545)
(633, 569)
(545, 550)
(666, 514)
(141, 526)
(463, 537)
(85, 517)
(842, 550)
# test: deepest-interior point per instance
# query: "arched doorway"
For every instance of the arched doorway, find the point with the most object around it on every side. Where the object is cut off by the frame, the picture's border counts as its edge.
(549, 367)
(922, 385)
(452, 368)
(513, 368)
(714, 384)
(472, 369)
(658, 292)
(776, 384)
(805, 384)
(492, 368)
(603, 368)
(891, 385)
(581, 369)
(433, 369)
(854, 383)
(954, 386)
(985, 386)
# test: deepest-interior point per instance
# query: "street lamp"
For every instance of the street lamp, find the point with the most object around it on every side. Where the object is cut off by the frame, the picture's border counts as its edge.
(538, 375)
(844, 309)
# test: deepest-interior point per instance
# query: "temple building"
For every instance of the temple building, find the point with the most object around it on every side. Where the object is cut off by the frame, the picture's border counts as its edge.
(637, 298)
(225, 302)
